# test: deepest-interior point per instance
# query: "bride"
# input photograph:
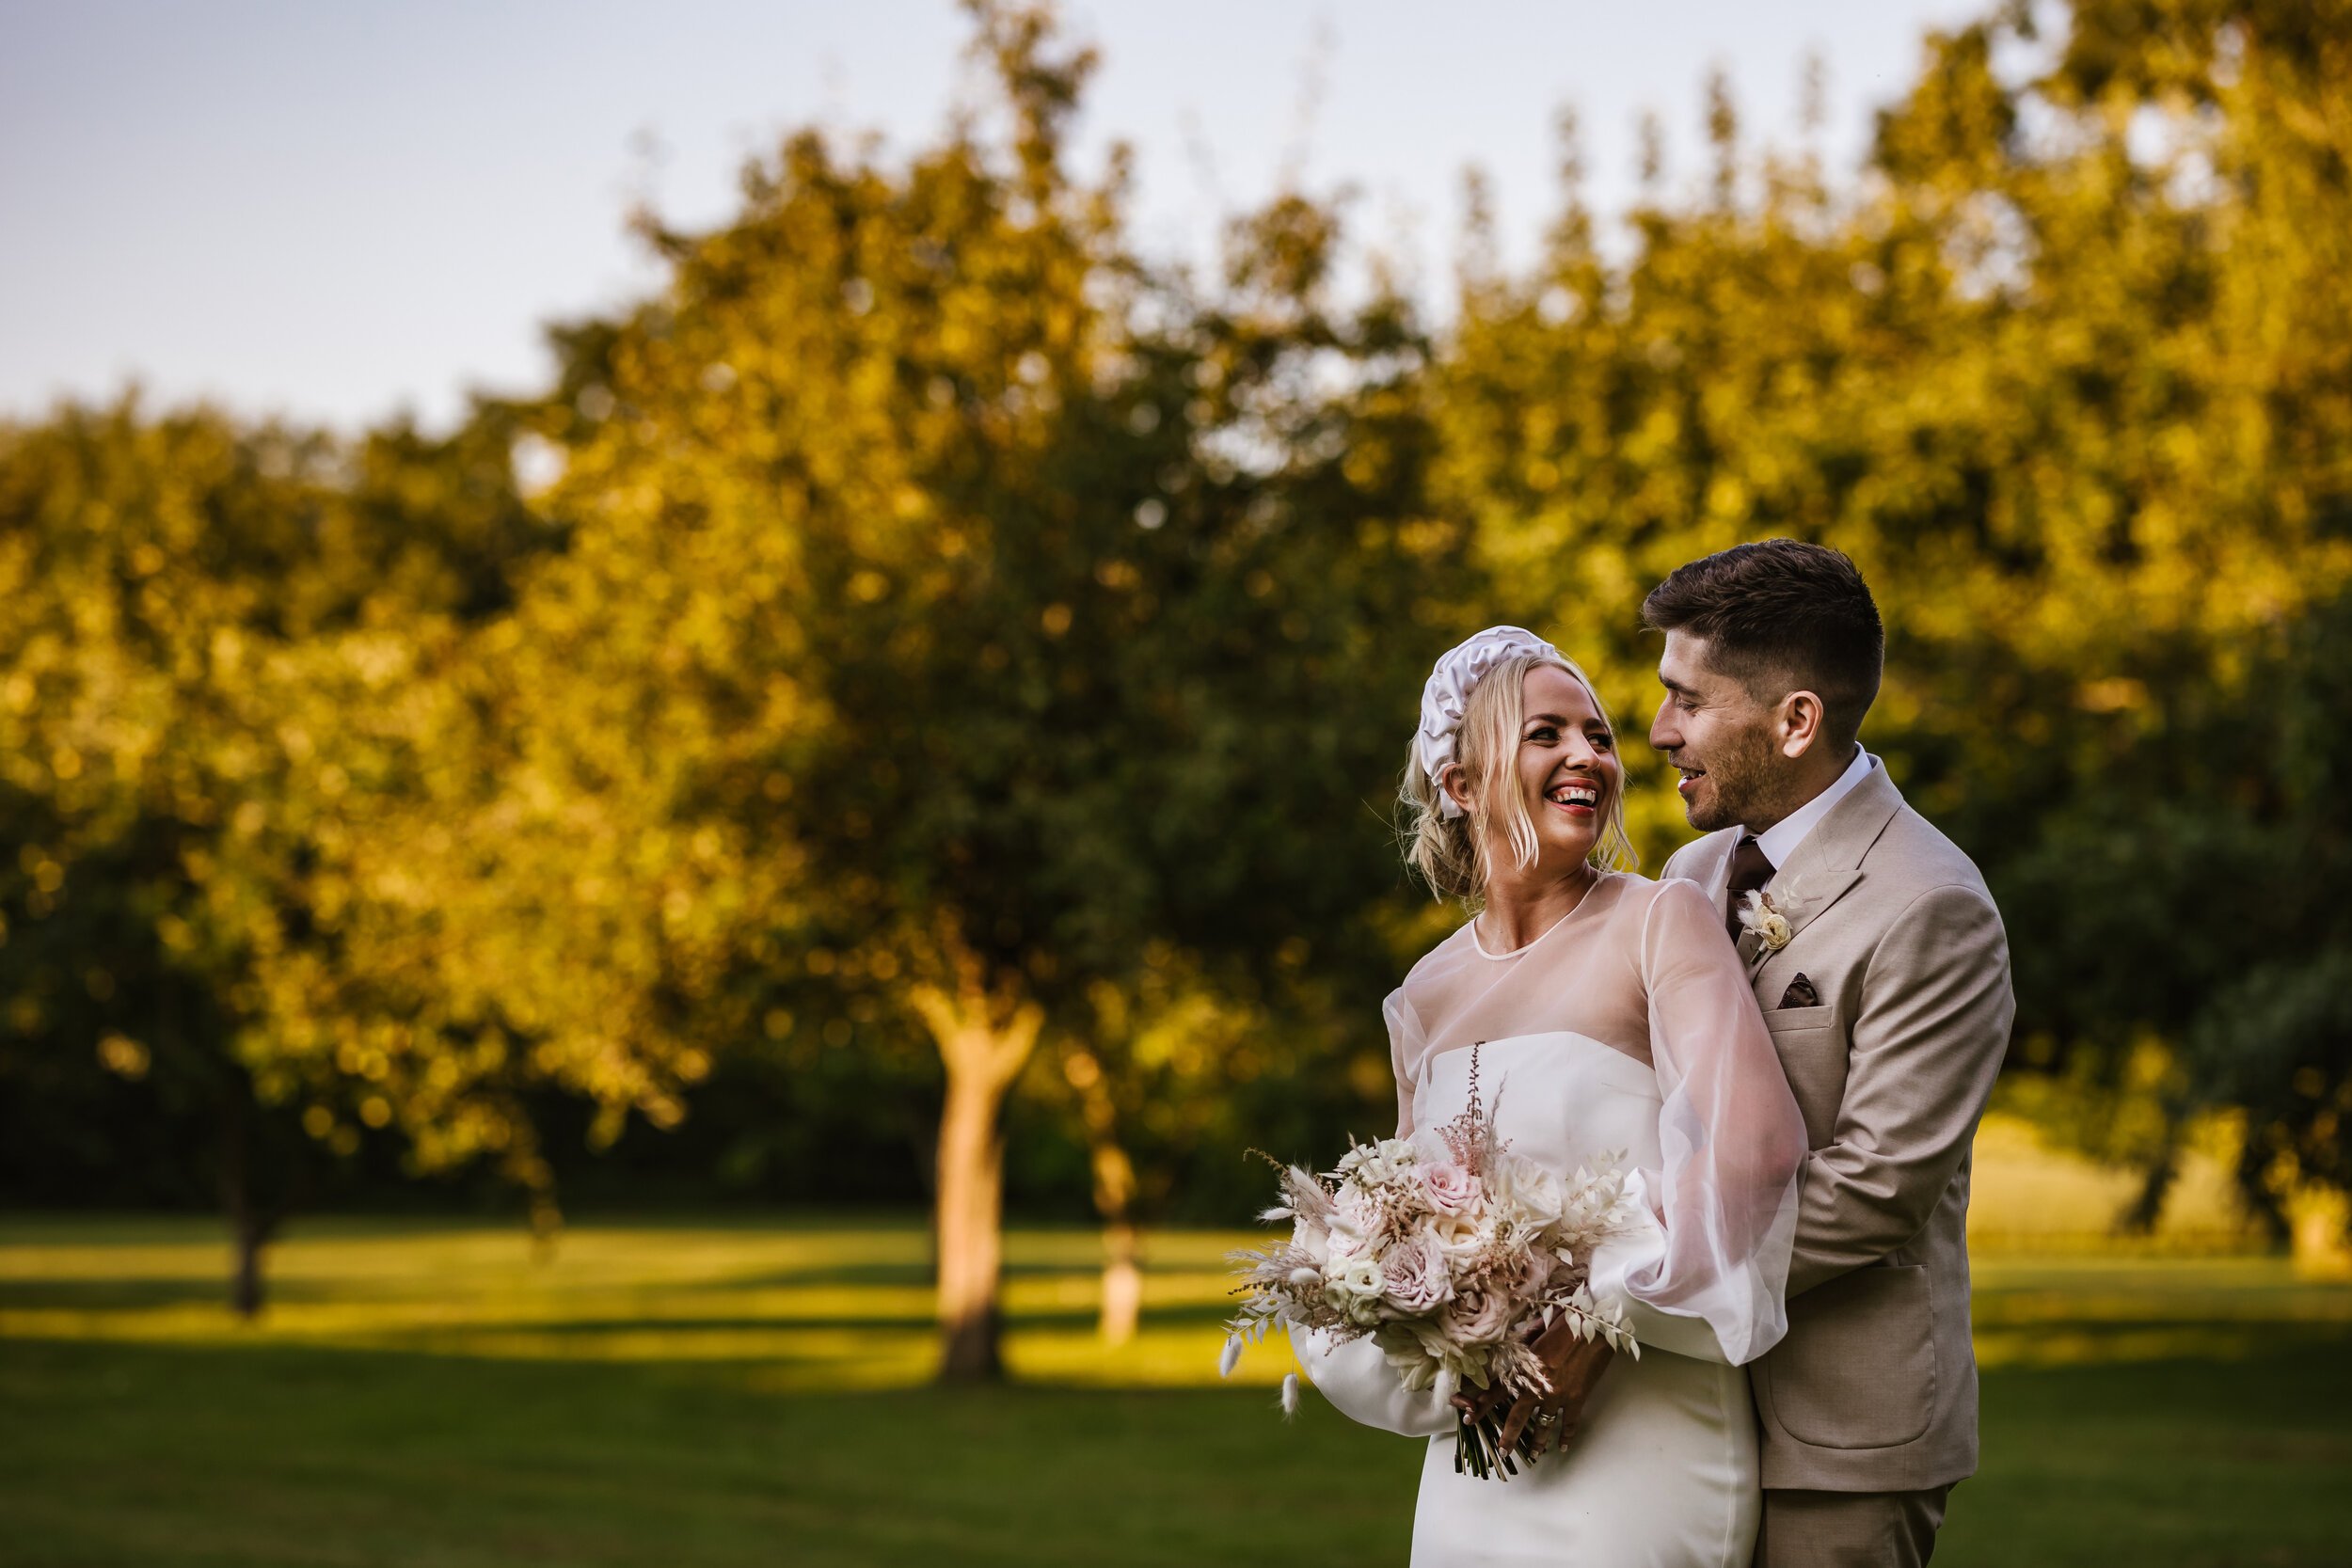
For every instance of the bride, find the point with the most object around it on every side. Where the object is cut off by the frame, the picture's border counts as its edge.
(1614, 1018)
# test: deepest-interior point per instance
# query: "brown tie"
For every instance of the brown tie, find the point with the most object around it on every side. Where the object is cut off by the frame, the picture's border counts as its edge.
(1749, 870)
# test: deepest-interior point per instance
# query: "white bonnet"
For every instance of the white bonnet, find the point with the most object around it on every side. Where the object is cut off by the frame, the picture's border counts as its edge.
(1446, 697)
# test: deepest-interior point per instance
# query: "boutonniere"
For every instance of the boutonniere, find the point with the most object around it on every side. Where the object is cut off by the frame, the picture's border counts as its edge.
(1761, 913)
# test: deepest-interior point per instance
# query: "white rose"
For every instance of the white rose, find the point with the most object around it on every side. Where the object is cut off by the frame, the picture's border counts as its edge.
(1353, 1286)
(1355, 1220)
(1377, 1164)
(1462, 1235)
(1760, 914)
(1527, 1191)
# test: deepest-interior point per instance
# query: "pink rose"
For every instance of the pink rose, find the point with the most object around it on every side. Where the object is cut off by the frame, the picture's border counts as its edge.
(1479, 1317)
(1414, 1271)
(1452, 1187)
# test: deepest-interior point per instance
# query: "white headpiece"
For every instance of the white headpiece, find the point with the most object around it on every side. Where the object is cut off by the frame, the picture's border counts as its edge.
(1446, 697)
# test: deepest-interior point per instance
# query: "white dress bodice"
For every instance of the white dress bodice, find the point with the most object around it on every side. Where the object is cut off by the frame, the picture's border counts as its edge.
(1562, 1099)
(1664, 1469)
(1630, 1032)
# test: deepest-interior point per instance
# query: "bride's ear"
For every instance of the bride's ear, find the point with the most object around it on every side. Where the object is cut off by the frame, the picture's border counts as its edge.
(1799, 726)
(1455, 782)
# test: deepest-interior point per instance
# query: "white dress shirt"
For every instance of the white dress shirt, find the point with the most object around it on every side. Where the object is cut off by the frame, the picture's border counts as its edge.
(1780, 841)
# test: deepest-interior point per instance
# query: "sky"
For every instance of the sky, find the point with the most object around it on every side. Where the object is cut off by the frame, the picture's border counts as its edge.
(339, 210)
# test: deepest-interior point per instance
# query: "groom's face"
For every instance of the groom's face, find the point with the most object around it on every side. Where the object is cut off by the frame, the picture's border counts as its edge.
(1718, 736)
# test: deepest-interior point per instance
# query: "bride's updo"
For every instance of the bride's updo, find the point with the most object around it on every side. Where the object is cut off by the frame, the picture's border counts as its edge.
(1470, 716)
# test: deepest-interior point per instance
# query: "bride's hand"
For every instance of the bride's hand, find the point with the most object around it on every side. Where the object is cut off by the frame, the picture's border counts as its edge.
(1574, 1365)
(1476, 1404)
(1574, 1369)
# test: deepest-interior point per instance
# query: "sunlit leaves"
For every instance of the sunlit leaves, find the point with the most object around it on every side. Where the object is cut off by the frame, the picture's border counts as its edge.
(2064, 375)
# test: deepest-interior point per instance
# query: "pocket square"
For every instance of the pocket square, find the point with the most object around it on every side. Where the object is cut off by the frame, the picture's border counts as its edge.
(1801, 994)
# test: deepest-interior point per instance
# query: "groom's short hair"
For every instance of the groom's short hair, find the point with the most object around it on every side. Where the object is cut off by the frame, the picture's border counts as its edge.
(1780, 616)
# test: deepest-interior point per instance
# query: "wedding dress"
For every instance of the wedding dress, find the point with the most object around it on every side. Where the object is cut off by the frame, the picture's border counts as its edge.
(1627, 1028)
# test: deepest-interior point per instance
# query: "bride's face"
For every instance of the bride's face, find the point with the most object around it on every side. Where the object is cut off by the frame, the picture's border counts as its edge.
(1568, 772)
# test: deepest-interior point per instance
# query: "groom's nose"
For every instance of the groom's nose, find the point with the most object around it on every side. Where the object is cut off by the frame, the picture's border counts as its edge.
(1663, 734)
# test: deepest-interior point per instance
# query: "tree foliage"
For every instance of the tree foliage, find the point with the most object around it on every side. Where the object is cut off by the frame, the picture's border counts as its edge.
(958, 656)
(2064, 375)
(204, 625)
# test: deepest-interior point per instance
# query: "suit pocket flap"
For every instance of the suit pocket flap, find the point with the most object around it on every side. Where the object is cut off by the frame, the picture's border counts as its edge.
(1858, 1368)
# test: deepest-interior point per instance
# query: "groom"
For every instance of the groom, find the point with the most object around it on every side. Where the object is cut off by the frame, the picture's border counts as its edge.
(1885, 984)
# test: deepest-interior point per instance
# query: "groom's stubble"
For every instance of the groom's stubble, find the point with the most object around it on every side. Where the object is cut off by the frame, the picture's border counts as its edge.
(1745, 769)
(1725, 726)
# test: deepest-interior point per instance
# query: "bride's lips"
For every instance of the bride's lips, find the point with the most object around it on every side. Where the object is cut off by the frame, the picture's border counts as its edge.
(1558, 797)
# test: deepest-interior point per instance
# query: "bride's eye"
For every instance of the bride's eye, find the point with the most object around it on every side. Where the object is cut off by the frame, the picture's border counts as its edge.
(1542, 732)
(1604, 741)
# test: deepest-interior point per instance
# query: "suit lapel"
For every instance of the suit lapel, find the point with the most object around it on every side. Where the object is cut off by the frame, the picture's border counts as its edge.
(1809, 893)
(1829, 862)
(1823, 869)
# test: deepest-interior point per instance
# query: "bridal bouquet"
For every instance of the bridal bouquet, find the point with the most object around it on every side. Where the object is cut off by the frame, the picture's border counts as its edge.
(1451, 1255)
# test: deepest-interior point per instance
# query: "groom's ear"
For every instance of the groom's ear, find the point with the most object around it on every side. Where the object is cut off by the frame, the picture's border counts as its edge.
(1797, 727)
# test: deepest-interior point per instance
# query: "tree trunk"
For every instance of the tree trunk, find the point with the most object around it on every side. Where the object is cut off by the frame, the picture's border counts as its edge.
(1114, 1195)
(984, 1034)
(971, 1215)
(250, 1223)
(1122, 1282)
(2140, 1215)
(251, 1235)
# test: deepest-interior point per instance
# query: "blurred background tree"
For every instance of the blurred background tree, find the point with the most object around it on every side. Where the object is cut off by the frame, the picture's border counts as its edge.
(2062, 376)
(197, 616)
(926, 727)
(990, 596)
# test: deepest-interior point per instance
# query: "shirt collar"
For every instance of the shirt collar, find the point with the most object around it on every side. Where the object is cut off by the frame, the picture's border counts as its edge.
(1780, 841)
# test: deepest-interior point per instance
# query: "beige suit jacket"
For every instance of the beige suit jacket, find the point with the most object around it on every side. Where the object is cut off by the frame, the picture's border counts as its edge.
(1874, 1388)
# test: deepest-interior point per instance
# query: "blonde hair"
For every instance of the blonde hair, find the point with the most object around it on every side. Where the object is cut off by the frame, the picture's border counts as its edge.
(1450, 853)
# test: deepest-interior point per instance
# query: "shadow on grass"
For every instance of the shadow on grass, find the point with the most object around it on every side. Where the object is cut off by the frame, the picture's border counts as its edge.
(122, 1454)
(470, 1419)
(267, 1455)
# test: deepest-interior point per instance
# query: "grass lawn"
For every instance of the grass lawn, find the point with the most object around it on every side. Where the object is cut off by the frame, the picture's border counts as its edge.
(725, 1393)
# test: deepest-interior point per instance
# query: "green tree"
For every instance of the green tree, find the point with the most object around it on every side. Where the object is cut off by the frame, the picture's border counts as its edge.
(194, 610)
(1008, 614)
(2062, 375)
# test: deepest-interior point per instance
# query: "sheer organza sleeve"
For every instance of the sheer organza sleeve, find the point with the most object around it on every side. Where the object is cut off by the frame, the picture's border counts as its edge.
(1406, 1046)
(1355, 1376)
(1706, 1268)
